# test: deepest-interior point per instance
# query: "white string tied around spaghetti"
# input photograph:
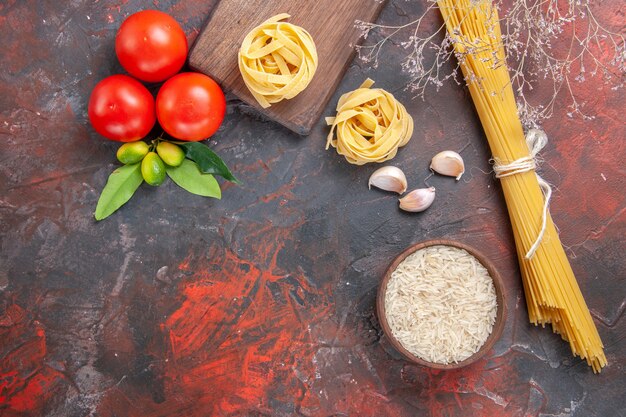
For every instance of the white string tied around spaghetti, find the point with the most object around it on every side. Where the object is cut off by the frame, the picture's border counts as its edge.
(536, 139)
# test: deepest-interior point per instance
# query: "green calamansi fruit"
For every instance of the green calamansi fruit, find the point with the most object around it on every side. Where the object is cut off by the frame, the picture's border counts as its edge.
(132, 152)
(153, 169)
(170, 153)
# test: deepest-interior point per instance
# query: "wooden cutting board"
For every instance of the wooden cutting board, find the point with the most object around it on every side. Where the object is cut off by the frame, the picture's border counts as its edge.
(331, 23)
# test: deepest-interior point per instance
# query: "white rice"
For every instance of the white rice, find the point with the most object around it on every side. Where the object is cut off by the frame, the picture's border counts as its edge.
(441, 304)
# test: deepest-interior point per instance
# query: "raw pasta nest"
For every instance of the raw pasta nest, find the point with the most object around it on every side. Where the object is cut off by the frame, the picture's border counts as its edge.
(370, 125)
(277, 60)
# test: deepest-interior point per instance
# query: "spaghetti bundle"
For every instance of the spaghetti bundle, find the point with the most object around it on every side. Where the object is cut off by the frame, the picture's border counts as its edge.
(277, 60)
(370, 125)
(552, 293)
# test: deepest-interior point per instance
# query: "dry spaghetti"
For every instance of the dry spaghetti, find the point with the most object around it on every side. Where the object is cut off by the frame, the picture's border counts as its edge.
(370, 125)
(277, 60)
(552, 293)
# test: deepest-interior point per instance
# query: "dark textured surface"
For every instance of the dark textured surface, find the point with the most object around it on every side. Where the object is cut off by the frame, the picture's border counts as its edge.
(262, 304)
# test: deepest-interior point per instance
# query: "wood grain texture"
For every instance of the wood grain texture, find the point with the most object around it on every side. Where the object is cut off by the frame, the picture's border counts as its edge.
(331, 23)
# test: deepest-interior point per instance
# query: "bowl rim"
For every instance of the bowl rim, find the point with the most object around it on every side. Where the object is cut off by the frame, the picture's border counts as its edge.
(498, 284)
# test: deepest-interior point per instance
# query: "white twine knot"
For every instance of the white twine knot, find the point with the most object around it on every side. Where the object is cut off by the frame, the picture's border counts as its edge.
(536, 139)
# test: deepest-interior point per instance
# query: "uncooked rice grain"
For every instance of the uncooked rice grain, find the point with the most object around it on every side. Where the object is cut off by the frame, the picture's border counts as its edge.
(441, 304)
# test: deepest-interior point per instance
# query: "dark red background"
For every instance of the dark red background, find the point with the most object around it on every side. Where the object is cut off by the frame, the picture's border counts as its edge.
(262, 304)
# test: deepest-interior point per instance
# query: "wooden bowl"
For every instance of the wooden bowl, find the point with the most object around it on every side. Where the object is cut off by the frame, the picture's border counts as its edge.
(498, 326)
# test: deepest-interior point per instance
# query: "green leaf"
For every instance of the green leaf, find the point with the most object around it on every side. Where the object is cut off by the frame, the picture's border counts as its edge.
(189, 177)
(120, 187)
(208, 161)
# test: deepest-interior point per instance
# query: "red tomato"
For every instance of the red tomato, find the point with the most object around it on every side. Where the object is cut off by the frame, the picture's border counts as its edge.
(121, 109)
(151, 46)
(190, 106)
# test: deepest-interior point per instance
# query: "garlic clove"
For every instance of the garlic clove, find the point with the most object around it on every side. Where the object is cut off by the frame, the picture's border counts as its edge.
(418, 200)
(448, 163)
(388, 178)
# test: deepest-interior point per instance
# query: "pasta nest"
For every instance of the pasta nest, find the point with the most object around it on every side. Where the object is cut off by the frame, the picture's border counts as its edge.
(277, 60)
(370, 125)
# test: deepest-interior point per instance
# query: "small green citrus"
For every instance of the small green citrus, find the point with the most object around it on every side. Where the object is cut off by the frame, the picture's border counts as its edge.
(153, 169)
(170, 153)
(132, 152)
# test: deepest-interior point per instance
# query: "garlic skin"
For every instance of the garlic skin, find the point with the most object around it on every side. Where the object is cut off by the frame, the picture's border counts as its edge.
(448, 163)
(388, 178)
(418, 200)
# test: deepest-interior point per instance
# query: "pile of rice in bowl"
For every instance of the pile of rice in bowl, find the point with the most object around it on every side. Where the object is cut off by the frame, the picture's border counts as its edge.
(440, 303)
